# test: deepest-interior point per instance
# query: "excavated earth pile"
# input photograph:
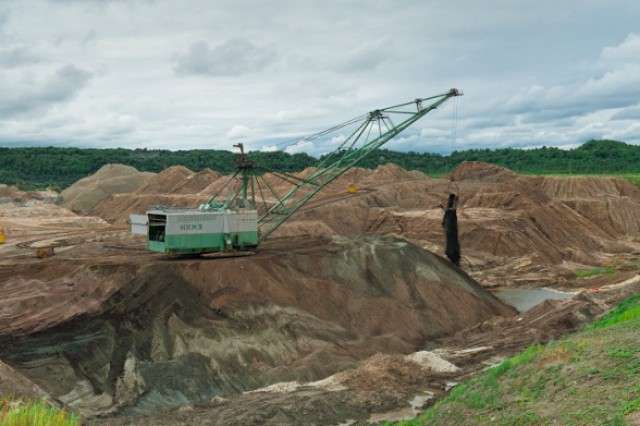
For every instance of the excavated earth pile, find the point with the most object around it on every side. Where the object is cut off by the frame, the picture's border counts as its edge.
(111, 179)
(514, 229)
(322, 325)
(103, 330)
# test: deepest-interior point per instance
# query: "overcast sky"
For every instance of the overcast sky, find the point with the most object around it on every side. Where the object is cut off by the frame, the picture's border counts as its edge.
(206, 74)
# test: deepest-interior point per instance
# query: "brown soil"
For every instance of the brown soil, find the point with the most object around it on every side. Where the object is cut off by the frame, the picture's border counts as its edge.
(166, 181)
(111, 179)
(17, 386)
(382, 386)
(196, 182)
(477, 170)
(536, 228)
(104, 325)
(344, 288)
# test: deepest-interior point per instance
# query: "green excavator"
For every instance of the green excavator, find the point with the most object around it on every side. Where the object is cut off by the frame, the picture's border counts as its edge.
(240, 216)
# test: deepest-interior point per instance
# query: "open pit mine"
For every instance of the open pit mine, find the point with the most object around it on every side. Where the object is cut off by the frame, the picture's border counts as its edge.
(348, 314)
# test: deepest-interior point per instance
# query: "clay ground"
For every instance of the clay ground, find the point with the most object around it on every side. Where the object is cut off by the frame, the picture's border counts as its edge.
(329, 308)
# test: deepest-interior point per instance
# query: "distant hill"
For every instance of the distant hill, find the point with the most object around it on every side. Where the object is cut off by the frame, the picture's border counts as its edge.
(59, 167)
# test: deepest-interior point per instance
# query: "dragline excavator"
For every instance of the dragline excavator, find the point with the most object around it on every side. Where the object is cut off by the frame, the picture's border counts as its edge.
(248, 209)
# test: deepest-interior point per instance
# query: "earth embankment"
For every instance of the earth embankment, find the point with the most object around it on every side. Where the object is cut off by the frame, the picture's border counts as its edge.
(101, 332)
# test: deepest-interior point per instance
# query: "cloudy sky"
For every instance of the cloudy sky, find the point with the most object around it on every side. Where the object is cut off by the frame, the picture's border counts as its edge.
(204, 74)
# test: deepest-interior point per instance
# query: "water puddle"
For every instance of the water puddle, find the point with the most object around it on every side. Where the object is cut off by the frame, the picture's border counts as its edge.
(524, 299)
(416, 405)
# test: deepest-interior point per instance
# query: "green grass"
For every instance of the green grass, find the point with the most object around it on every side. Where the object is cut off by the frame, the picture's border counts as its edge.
(589, 378)
(595, 272)
(627, 310)
(634, 178)
(36, 413)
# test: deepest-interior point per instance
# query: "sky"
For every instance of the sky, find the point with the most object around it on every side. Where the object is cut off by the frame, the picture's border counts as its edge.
(203, 74)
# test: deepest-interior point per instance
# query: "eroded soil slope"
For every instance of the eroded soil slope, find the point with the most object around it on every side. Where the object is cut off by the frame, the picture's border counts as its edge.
(102, 327)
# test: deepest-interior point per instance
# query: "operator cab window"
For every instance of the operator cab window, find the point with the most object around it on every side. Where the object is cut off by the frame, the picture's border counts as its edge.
(157, 227)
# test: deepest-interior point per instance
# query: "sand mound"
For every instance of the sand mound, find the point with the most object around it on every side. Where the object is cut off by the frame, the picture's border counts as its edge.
(312, 228)
(165, 181)
(505, 218)
(573, 187)
(219, 185)
(392, 173)
(477, 170)
(117, 208)
(382, 373)
(196, 182)
(83, 195)
(10, 191)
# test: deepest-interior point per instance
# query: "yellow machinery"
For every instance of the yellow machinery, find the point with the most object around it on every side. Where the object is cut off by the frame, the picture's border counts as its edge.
(352, 189)
(3, 236)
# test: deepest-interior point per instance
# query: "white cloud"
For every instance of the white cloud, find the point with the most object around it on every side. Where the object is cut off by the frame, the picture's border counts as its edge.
(231, 58)
(625, 52)
(23, 94)
(365, 58)
(302, 146)
(239, 131)
(304, 66)
(17, 56)
(632, 113)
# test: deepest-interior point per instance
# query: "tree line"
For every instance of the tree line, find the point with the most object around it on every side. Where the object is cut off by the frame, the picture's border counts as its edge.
(35, 168)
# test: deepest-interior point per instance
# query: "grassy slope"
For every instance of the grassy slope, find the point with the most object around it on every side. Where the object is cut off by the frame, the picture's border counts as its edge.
(34, 414)
(589, 378)
(633, 178)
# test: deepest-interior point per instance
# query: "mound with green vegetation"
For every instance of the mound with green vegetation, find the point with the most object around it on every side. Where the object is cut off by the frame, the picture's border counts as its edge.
(36, 413)
(33, 168)
(589, 378)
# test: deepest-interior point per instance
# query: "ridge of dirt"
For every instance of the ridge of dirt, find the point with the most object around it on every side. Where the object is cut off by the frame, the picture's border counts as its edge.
(197, 182)
(110, 179)
(166, 181)
(533, 223)
(478, 170)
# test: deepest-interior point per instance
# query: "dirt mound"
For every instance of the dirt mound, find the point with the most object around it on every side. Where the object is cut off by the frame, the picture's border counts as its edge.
(218, 185)
(10, 191)
(574, 187)
(477, 170)
(166, 181)
(383, 373)
(150, 332)
(175, 186)
(311, 228)
(617, 216)
(83, 195)
(392, 173)
(196, 182)
(504, 218)
(117, 208)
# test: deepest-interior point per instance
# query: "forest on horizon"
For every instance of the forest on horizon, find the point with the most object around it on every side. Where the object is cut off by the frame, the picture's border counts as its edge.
(38, 168)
